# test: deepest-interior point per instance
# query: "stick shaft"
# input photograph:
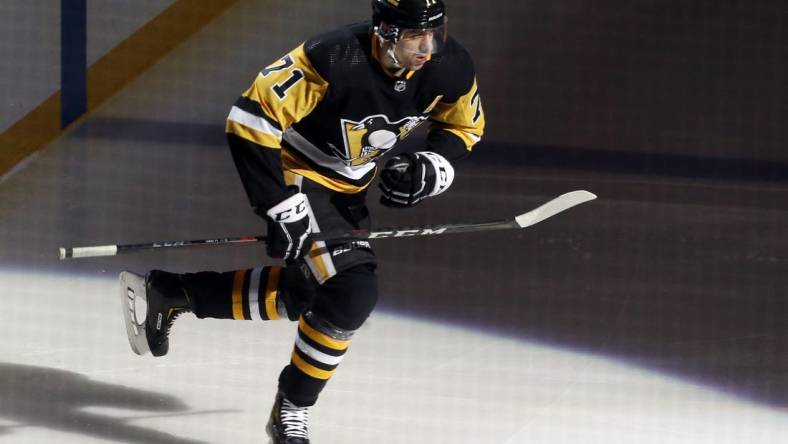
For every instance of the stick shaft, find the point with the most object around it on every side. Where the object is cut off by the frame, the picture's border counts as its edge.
(549, 209)
(409, 231)
(113, 250)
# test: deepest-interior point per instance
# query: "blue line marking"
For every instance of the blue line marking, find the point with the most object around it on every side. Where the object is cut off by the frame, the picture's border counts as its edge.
(73, 59)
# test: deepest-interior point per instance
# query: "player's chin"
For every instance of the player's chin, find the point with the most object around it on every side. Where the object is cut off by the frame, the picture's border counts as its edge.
(417, 63)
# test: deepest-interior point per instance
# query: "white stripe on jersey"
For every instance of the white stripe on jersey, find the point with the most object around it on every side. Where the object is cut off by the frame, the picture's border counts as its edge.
(256, 123)
(314, 154)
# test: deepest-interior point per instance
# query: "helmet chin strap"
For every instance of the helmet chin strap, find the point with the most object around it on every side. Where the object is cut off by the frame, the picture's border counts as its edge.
(392, 58)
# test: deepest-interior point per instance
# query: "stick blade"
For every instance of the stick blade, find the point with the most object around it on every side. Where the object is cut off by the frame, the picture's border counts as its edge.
(553, 207)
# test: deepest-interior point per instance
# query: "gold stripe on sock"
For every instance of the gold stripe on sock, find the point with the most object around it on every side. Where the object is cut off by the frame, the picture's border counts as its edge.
(311, 370)
(271, 293)
(321, 338)
(238, 288)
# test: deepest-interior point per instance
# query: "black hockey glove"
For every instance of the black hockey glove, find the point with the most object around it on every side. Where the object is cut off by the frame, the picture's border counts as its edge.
(289, 228)
(409, 178)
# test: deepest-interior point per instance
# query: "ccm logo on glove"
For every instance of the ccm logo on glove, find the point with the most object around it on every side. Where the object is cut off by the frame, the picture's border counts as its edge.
(289, 228)
(290, 210)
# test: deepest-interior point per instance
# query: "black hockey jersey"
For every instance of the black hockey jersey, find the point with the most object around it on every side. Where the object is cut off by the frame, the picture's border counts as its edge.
(328, 108)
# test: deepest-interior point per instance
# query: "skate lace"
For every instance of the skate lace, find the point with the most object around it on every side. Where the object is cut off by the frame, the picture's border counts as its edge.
(175, 314)
(171, 321)
(294, 419)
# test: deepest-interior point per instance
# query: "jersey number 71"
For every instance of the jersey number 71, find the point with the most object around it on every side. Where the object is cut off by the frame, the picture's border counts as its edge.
(280, 89)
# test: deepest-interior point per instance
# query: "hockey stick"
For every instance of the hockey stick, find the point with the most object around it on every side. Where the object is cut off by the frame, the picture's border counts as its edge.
(549, 209)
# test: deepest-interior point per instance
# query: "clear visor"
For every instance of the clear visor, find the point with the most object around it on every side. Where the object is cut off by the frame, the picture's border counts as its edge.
(422, 41)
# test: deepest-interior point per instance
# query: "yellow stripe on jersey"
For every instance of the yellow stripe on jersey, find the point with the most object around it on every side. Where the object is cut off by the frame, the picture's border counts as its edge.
(261, 138)
(433, 104)
(238, 287)
(286, 91)
(271, 293)
(311, 370)
(292, 179)
(291, 164)
(464, 118)
(321, 338)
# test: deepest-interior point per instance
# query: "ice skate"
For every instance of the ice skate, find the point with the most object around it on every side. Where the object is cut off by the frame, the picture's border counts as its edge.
(288, 423)
(161, 297)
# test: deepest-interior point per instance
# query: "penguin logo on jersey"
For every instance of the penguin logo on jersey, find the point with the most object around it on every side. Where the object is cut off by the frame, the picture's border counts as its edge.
(373, 136)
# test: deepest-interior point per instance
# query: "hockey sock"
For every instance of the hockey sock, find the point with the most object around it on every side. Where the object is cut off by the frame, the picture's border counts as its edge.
(241, 295)
(319, 348)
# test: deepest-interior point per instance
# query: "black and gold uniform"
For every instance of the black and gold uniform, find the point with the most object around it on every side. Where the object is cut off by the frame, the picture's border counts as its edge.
(319, 117)
(316, 121)
(328, 109)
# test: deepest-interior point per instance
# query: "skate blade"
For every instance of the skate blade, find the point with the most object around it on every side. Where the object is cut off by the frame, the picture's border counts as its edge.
(132, 286)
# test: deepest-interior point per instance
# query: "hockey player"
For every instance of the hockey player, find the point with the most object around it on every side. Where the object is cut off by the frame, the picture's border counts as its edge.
(305, 137)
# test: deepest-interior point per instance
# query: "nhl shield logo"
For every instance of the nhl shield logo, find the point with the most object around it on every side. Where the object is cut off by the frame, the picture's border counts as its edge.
(399, 86)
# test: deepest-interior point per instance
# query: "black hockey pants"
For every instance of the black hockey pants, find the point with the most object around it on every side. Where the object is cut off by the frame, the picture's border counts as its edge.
(330, 292)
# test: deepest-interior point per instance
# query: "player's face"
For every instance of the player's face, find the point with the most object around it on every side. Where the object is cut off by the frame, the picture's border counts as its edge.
(414, 48)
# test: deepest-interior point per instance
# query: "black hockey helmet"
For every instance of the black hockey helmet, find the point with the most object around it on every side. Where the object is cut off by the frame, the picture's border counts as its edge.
(399, 15)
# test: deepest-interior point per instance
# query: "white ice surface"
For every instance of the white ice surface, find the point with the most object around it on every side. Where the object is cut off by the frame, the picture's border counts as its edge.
(67, 374)
(404, 381)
